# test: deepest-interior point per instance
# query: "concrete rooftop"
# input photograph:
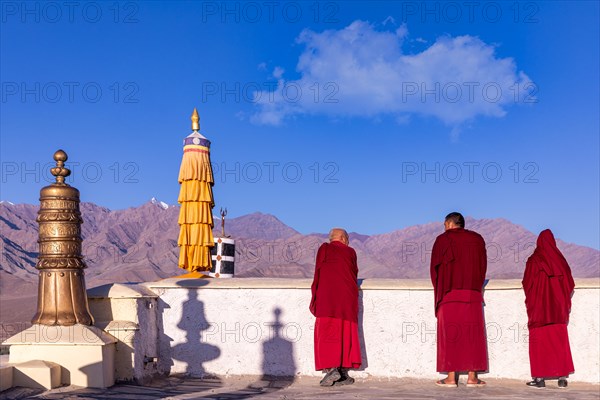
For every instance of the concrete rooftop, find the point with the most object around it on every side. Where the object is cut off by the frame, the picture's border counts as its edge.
(247, 387)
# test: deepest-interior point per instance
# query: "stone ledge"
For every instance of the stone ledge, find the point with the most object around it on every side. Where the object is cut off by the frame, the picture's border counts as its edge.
(365, 284)
(267, 388)
(75, 335)
(120, 291)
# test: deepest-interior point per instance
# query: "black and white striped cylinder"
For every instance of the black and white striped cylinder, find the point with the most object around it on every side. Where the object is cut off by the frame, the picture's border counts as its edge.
(223, 258)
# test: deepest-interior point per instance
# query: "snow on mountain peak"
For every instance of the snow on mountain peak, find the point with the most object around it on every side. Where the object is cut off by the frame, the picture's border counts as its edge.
(159, 203)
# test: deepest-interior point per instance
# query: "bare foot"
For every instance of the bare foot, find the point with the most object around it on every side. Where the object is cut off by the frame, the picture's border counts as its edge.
(475, 383)
(446, 383)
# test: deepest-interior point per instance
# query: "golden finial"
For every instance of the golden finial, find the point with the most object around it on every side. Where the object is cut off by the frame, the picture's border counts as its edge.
(195, 120)
(60, 172)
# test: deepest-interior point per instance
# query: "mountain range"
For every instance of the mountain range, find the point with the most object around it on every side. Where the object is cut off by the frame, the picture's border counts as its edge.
(140, 244)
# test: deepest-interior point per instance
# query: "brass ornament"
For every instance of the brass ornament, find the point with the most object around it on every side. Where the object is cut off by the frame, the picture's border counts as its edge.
(223, 215)
(195, 120)
(62, 299)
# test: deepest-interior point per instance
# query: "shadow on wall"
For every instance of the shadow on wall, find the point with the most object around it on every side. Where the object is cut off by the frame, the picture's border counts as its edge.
(278, 352)
(194, 351)
(278, 365)
(487, 346)
(361, 334)
(193, 322)
(165, 361)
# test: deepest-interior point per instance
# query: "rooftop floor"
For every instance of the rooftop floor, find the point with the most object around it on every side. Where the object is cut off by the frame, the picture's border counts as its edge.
(245, 387)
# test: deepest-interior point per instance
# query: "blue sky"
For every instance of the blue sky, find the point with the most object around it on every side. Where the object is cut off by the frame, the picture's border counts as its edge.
(373, 116)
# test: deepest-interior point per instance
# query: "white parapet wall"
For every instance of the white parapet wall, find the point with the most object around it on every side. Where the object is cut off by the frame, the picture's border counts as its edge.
(263, 327)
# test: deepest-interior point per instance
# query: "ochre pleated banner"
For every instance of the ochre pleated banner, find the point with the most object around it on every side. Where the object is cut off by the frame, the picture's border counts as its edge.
(196, 199)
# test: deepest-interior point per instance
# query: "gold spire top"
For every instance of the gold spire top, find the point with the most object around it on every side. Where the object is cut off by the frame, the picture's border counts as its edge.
(195, 120)
(60, 172)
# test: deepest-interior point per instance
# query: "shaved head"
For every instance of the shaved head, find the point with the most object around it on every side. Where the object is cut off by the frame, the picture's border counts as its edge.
(454, 220)
(338, 234)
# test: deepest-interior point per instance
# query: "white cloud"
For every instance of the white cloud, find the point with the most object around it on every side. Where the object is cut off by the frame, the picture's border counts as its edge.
(402, 32)
(358, 71)
(278, 72)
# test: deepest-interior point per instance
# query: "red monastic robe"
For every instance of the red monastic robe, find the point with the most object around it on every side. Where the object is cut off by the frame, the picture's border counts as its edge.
(335, 304)
(548, 286)
(458, 267)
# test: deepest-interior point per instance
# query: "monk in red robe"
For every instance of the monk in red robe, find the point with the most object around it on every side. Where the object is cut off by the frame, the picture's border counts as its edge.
(548, 286)
(458, 267)
(335, 304)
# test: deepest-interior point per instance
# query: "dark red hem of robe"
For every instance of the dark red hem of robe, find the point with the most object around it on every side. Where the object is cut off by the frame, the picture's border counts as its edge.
(336, 344)
(550, 352)
(461, 339)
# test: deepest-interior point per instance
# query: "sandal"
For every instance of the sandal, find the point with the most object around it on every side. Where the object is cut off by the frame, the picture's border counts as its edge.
(331, 377)
(442, 383)
(479, 383)
(345, 378)
(348, 381)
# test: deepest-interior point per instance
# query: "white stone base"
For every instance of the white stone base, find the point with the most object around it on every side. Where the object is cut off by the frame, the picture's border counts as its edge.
(128, 313)
(37, 374)
(6, 377)
(85, 354)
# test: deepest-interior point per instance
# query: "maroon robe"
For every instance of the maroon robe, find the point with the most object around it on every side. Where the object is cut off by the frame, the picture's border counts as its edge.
(335, 304)
(458, 267)
(548, 286)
